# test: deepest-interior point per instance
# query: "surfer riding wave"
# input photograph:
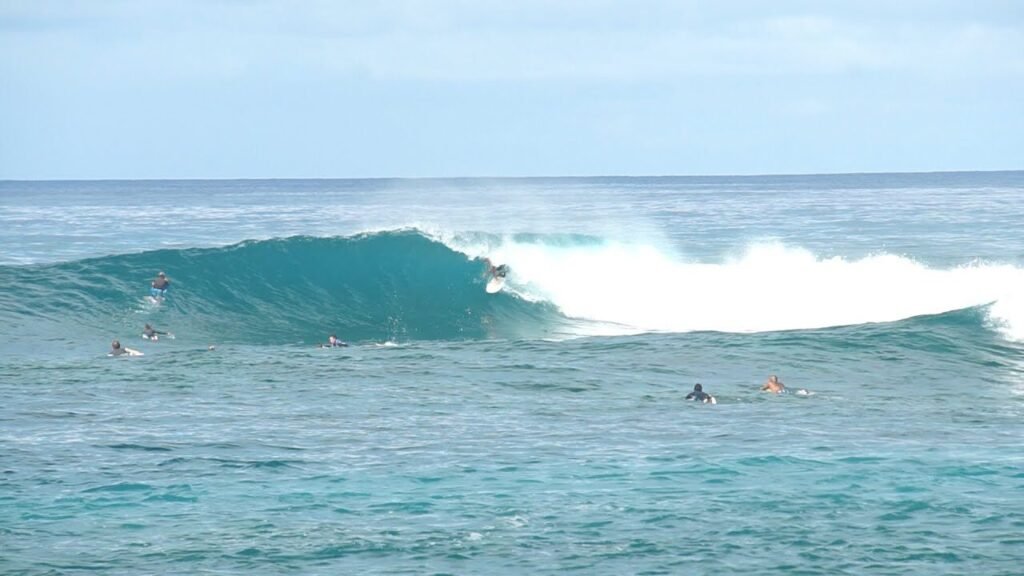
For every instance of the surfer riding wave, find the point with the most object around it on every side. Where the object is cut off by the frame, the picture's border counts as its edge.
(500, 271)
(497, 276)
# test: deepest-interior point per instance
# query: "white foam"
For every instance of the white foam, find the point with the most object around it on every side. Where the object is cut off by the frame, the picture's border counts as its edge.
(768, 287)
(1007, 315)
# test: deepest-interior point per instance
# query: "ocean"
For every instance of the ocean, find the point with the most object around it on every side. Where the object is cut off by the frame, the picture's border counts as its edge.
(540, 430)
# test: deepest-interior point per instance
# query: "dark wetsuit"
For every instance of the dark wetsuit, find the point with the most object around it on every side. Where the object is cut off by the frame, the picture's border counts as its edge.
(699, 396)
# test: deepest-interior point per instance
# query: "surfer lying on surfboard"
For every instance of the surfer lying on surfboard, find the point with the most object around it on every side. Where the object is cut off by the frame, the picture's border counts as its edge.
(150, 333)
(775, 386)
(158, 288)
(333, 342)
(699, 395)
(117, 350)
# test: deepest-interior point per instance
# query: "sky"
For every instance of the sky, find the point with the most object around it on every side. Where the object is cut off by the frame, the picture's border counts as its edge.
(138, 89)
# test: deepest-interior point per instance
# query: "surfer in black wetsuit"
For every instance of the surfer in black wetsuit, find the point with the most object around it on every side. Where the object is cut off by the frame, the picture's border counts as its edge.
(159, 285)
(117, 350)
(699, 395)
(151, 333)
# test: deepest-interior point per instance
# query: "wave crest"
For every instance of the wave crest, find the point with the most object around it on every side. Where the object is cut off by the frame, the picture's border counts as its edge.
(411, 285)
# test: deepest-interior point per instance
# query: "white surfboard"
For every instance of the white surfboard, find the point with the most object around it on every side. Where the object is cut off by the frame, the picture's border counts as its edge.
(495, 284)
(129, 352)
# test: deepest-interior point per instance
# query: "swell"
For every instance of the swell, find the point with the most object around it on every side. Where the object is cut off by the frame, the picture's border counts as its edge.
(408, 285)
(958, 337)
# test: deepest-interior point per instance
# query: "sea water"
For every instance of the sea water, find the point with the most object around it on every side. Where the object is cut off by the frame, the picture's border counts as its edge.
(540, 430)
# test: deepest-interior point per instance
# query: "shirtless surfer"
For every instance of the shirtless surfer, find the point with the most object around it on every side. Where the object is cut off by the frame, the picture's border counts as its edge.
(773, 385)
(158, 288)
(333, 342)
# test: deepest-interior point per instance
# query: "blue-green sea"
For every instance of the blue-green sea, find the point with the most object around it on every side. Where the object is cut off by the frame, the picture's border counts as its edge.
(539, 430)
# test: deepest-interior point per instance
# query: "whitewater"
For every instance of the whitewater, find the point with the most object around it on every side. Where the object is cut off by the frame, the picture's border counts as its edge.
(766, 287)
(540, 429)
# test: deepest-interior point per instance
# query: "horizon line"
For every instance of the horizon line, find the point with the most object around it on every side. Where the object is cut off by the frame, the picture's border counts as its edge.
(548, 177)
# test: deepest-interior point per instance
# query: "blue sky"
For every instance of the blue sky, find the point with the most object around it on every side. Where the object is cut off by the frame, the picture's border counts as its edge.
(410, 88)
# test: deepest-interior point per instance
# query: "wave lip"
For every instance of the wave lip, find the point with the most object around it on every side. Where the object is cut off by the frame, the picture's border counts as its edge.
(635, 287)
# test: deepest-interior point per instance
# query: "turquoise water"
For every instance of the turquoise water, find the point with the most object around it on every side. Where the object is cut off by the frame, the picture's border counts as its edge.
(539, 430)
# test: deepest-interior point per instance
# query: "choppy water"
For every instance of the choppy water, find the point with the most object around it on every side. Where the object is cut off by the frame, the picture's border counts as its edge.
(539, 430)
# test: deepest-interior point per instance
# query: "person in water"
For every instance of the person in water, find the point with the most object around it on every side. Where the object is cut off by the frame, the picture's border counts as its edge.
(150, 333)
(496, 271)
(117, 350)
(699, 395)
(773, 385)
(159, 286)
(333, 342)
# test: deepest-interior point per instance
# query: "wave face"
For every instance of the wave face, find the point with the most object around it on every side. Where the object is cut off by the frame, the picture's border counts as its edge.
(385, 286)
(411, 285)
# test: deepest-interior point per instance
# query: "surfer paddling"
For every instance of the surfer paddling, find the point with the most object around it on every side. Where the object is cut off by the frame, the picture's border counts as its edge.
(333, 342)
(158, 288)
(117, 350)
(775, 386)
(699, 395)
(150, 333)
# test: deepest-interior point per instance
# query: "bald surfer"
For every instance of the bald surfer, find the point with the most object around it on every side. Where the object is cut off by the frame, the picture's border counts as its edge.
(775, 386)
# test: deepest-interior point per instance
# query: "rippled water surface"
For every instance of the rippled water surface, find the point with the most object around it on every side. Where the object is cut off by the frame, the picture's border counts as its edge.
(462, 445)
